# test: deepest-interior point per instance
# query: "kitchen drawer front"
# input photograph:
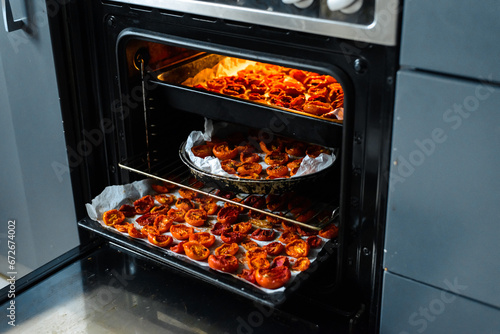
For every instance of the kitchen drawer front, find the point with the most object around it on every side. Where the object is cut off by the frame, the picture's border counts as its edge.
(411, 307)
(443, 214)
(457, 37)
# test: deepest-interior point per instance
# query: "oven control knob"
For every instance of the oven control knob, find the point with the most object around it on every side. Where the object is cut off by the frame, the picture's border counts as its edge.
(345, 6)
(299, 3)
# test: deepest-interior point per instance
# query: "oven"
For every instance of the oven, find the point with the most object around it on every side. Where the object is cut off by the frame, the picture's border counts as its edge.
(138, 77)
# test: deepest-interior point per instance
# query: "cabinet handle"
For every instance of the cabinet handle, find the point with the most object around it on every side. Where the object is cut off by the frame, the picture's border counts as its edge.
(8, 20)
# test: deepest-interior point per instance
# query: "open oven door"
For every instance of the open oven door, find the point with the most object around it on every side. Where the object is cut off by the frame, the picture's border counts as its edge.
(36, 202)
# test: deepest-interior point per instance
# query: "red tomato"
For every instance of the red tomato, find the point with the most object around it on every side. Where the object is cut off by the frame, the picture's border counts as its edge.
(295, 148)
(226, 263)
(163, 209)
(204, 238)
(227, 249)
(184, 204)
(246, 157)
(271, 147)
(176, 215)
(256, 252)
(255, 201)
(249, 244)
(249, 168)
(277, 171)
(123, 227)
(127, 210)
(196, 217)
(306, 232)
(287, 237)
(160, 240)
(314, 241)
(135, 233)
(162, 223)
(224, 152)
(112, 217)
(196, 251)
(230, 166)
(263, 235)
(315, 150)
(297, 248)
(211, 208)
(243, 227)
(276, 158)
(179, 248)
(274, 248)
(160, 188)
(248, 274)
(147, 230)
(228, 215)
(165, 199)
(273, 278)
(146, 219)
(229, 236)
(202, 151)
(257, 262)
(329, 231)
(144, 204)
(280, 261)
(301, 264)
(181, 232)
(219, 228)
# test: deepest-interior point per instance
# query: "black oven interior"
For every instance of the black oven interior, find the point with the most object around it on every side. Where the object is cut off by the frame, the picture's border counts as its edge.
(120, 90)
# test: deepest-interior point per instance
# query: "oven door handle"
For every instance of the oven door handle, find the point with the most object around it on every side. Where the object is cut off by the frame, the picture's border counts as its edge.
(8, 19)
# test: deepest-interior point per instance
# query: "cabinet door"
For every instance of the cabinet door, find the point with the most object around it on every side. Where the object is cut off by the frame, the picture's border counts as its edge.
(444, 199)
(35, 192)
(458, 37)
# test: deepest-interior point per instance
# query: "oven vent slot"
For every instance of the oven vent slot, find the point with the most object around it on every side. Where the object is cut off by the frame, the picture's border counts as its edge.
(178, 174)
(203, 18)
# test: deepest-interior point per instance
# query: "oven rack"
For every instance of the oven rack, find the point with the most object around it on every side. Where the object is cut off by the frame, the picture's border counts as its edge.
(177, 173)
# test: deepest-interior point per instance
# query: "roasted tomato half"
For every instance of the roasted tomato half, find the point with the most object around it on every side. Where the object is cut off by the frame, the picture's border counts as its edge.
(274, 248)
(329, 231)
(204, 238)
(202, 151)
(276, 171)
(179, 248)
(123, 227)
(160, 188)
(273, 278)
(226, 263)
(144, 204)
(230, 166)
(314, 241)
(165, 199)
(297, 248)
(147, 230)
(210, 208)
(271, 146)
(224, 152)
(135, 233)
(280, 261)
(112, 217)
(181, 232)
(196, 251)
(227, 249)
(127, 210)
(248, 274)
(228, 215)
(263, 235)
(296, 148)
(184, 204)
(276, 158)
(177, 215)
(301, 264)
(249, 168)
(188, 193)
(229, 236)
(249, 244)
(219, 228)
(249, 157)
(196, 217)
(257, 262)
(243, 227)
(146, 219)
(162, 223)
(160, 240)
(315, 150)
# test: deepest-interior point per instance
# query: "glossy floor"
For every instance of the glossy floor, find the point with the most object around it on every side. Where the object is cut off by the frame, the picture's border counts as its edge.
(114, 291)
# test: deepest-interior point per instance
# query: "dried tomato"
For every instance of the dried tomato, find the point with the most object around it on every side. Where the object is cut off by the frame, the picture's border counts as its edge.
(315, 150)
(184, 204)
(228, 215)
(275, 202)
(202, 151)
(249, 244)
(243, 227)
(165, 199)
(204, 238)
(196, 217)
(263, 235)
(112, 217)
(280, 261)
(314, 241)
(187, 193)
(249, 168)
(179, 248)
(288, 236)
(276, 158)
(196, 251)
(271, 147)
(146, 219)
(273, 278)
(306, 232)
(135, 233)
(224, 152)
(162, 223)
(329, 231)
(181, 232)
(274, 248)
(160, 188)
(294, 166)
(127, 210)
(230, 166)
(248, 274)
(227, 249)
(301, 264)
(123, 227)
(295, 148)
(210, 208)
(256, 252)
(147, 230)
(305, 216)
(177, 215)
(160, 240)
(277, 171)
(257, 262)
(297, 248)
(219, 228)
(160, 210)
(226, 263)
(255, 201)
(224, 194)
(246, 157)
(229, 236)
(144, 204)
